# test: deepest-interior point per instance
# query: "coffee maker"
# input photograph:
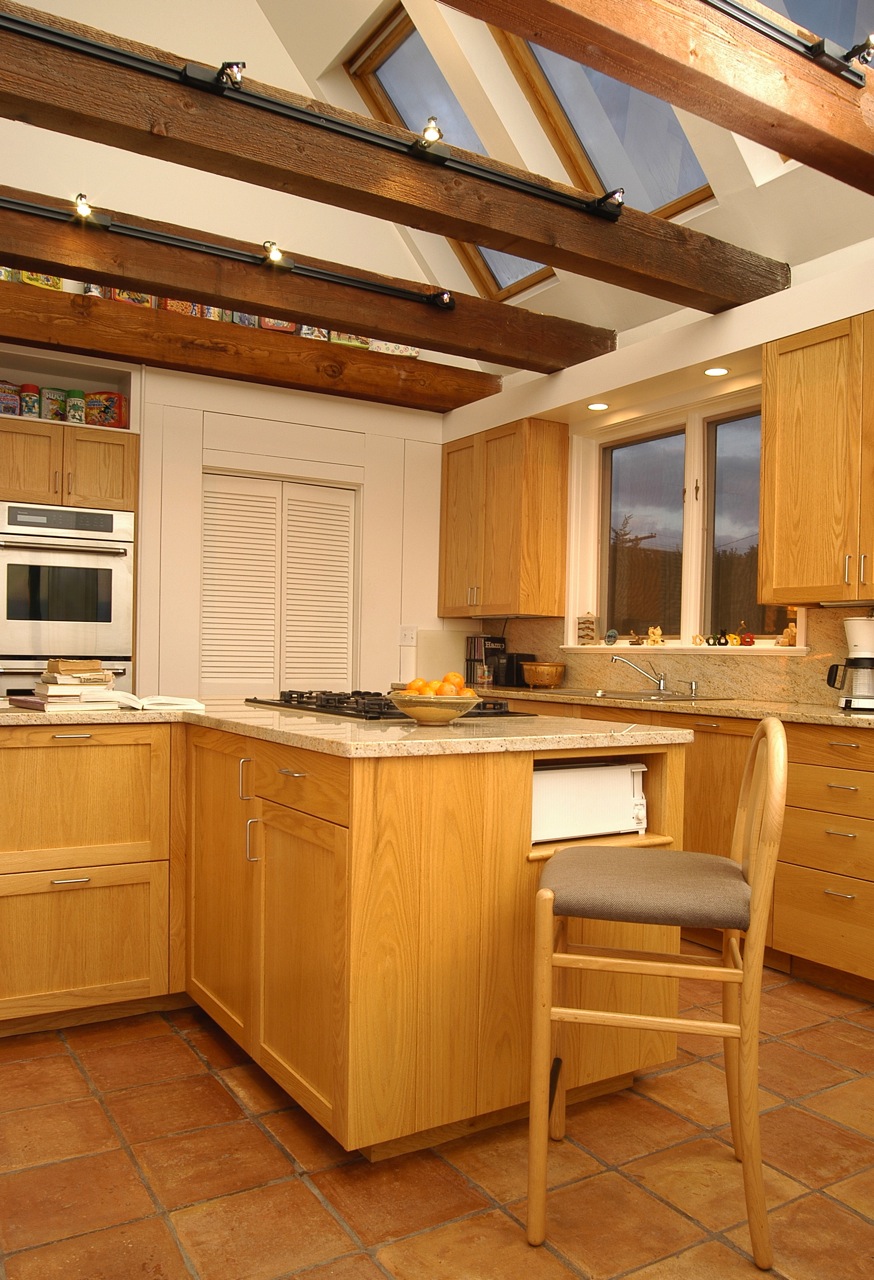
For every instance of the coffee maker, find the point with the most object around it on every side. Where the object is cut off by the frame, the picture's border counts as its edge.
(860, 665)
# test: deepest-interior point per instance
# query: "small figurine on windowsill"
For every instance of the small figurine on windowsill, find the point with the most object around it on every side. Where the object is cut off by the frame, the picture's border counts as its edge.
(654, 636)
(789, 636)
(635, 638)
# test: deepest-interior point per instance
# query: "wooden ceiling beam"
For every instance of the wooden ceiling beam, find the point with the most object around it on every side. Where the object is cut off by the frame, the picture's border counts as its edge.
(712, 65)
(72, 92)
(482, 330)
(93, 326)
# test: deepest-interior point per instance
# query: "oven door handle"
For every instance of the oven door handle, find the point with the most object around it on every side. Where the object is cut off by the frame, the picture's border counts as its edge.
(99, 548)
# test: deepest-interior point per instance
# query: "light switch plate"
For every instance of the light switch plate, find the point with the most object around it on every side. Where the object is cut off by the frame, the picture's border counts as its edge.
(408, 635)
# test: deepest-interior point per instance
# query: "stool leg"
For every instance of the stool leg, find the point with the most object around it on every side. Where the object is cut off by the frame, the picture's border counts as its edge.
(731, 1013)
(750, 1136)
(541, 1061)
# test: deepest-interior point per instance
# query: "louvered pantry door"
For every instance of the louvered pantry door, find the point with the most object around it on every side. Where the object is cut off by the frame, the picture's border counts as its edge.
(276, 608)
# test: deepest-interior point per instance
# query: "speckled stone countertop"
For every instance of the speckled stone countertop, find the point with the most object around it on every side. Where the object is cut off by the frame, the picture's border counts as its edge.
(737, 709)
(335, 735)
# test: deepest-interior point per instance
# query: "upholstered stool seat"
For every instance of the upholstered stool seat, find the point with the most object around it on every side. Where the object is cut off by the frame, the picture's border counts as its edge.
(664, 887)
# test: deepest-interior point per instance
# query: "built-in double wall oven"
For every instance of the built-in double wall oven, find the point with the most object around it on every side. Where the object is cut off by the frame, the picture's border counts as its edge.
(67, 582)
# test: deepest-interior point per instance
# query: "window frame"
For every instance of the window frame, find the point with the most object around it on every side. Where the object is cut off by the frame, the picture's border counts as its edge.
(361, 68)
(588, 523)
(562, 135)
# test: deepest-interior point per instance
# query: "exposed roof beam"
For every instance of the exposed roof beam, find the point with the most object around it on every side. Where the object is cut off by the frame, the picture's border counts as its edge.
(698, 58)
(72, 92)
(489, 331)
(167, 340)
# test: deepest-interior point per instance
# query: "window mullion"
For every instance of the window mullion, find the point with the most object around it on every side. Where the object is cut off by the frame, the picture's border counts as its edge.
(694, 529)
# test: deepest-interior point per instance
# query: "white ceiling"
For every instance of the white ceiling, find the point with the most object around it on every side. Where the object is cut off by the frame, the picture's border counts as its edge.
(781, 210)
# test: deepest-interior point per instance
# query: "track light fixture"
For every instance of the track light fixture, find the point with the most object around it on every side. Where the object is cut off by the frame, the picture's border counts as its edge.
(825, 53)
(232, 74)
(864, 51)
(83, 208)
(429, 145)
(274, 253)
(228, 76)
(83, 211)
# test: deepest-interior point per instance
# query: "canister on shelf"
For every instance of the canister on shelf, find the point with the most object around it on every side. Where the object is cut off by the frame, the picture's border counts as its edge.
(76, 406)
(106, 409)
(53, 403)
(29, 400)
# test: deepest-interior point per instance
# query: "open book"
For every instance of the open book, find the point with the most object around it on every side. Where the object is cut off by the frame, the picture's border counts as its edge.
(154, 701)
(93, 698)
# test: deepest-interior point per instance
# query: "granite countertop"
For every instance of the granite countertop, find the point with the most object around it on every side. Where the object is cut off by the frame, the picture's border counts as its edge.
(335, 735)
(734, 708)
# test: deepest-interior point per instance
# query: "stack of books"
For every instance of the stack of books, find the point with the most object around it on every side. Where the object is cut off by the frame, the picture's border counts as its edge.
(71, 684)
(83, 684)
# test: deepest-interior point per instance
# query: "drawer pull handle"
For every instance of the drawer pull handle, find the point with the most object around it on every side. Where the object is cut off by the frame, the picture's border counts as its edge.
(245, 760)
(847, 835)
(853, 745)
(833, 893)
(80, 880)
(290, 773)
(249, 857)
(71, 735)
(705, 724)
(840, 786)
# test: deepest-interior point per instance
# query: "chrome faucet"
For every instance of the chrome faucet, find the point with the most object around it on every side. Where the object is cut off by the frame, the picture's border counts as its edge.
(658, 678)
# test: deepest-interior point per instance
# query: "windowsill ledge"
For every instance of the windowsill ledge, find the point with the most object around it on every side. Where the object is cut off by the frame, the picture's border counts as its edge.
(759, 649)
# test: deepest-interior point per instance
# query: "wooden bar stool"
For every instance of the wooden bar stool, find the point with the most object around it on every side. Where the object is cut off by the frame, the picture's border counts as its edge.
(668, 887)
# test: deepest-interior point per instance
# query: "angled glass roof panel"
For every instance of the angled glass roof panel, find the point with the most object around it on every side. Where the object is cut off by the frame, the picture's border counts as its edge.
(633, 140)
(847, 22)
(418, 89)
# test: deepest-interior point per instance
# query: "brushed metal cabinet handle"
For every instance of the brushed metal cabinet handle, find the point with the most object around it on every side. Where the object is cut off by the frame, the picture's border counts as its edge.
(80, 880)
(71, 735)
(840, 786)
(69, 482)
(862, 558)
(290, 773)
(249, 857)
(833, 893)
(847, 560)
(846, 835)
(854, 746)
(245, 760)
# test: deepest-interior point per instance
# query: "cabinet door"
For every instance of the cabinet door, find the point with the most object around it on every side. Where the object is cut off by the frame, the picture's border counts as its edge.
(811, 459)
(460, 528)
(301, 961)
(221, 881)
(100, 468)
(86, 795)
(84, 936)
(715, 763)
(31, 460)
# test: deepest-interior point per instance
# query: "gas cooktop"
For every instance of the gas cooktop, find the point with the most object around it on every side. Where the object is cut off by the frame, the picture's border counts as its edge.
(361, 705)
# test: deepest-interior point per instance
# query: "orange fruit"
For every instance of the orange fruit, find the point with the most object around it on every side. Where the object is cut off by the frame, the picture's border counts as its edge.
(415, 686)
(454, 677)
(467, 693)
(432, 686)
(446, 690)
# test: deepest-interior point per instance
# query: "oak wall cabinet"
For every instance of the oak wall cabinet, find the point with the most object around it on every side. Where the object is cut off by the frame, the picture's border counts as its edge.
(85, 880)
(63, 465)
(503, 522)
(817, 516)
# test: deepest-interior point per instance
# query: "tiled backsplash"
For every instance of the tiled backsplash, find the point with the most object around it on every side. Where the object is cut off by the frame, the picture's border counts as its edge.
(765, 672)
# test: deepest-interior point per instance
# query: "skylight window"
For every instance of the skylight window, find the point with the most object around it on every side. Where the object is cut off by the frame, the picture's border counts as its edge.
(402, 82)
(847, 22)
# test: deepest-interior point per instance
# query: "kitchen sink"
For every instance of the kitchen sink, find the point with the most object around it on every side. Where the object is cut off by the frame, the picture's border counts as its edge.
(642, 695)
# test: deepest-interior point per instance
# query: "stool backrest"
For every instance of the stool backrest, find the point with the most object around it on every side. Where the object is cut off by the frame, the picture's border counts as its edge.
(759, 821)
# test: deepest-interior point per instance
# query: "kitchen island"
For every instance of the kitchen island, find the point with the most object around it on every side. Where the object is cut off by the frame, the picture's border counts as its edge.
(359, 904)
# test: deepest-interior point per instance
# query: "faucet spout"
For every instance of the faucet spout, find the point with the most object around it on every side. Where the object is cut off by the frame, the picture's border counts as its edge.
(658, 678)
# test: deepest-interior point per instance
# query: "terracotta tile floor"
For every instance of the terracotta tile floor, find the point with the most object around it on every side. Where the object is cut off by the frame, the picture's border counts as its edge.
(152, 1147)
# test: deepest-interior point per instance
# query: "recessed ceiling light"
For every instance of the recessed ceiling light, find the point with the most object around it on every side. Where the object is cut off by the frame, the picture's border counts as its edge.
(716, 371)
(597, 405)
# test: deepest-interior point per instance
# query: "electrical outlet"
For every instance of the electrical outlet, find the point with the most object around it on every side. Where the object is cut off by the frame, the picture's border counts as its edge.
(408, 635)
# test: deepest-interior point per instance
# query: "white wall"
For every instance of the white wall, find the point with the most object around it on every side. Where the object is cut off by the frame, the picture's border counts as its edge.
(390, 456)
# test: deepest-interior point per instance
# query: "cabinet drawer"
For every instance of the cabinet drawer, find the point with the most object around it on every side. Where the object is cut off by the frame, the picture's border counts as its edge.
(849, 792)
(849, 748)
(305, 780)
(829, 843)
(825, 918)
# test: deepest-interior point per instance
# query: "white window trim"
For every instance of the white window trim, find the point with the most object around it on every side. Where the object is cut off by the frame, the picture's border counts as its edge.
(584, 523)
